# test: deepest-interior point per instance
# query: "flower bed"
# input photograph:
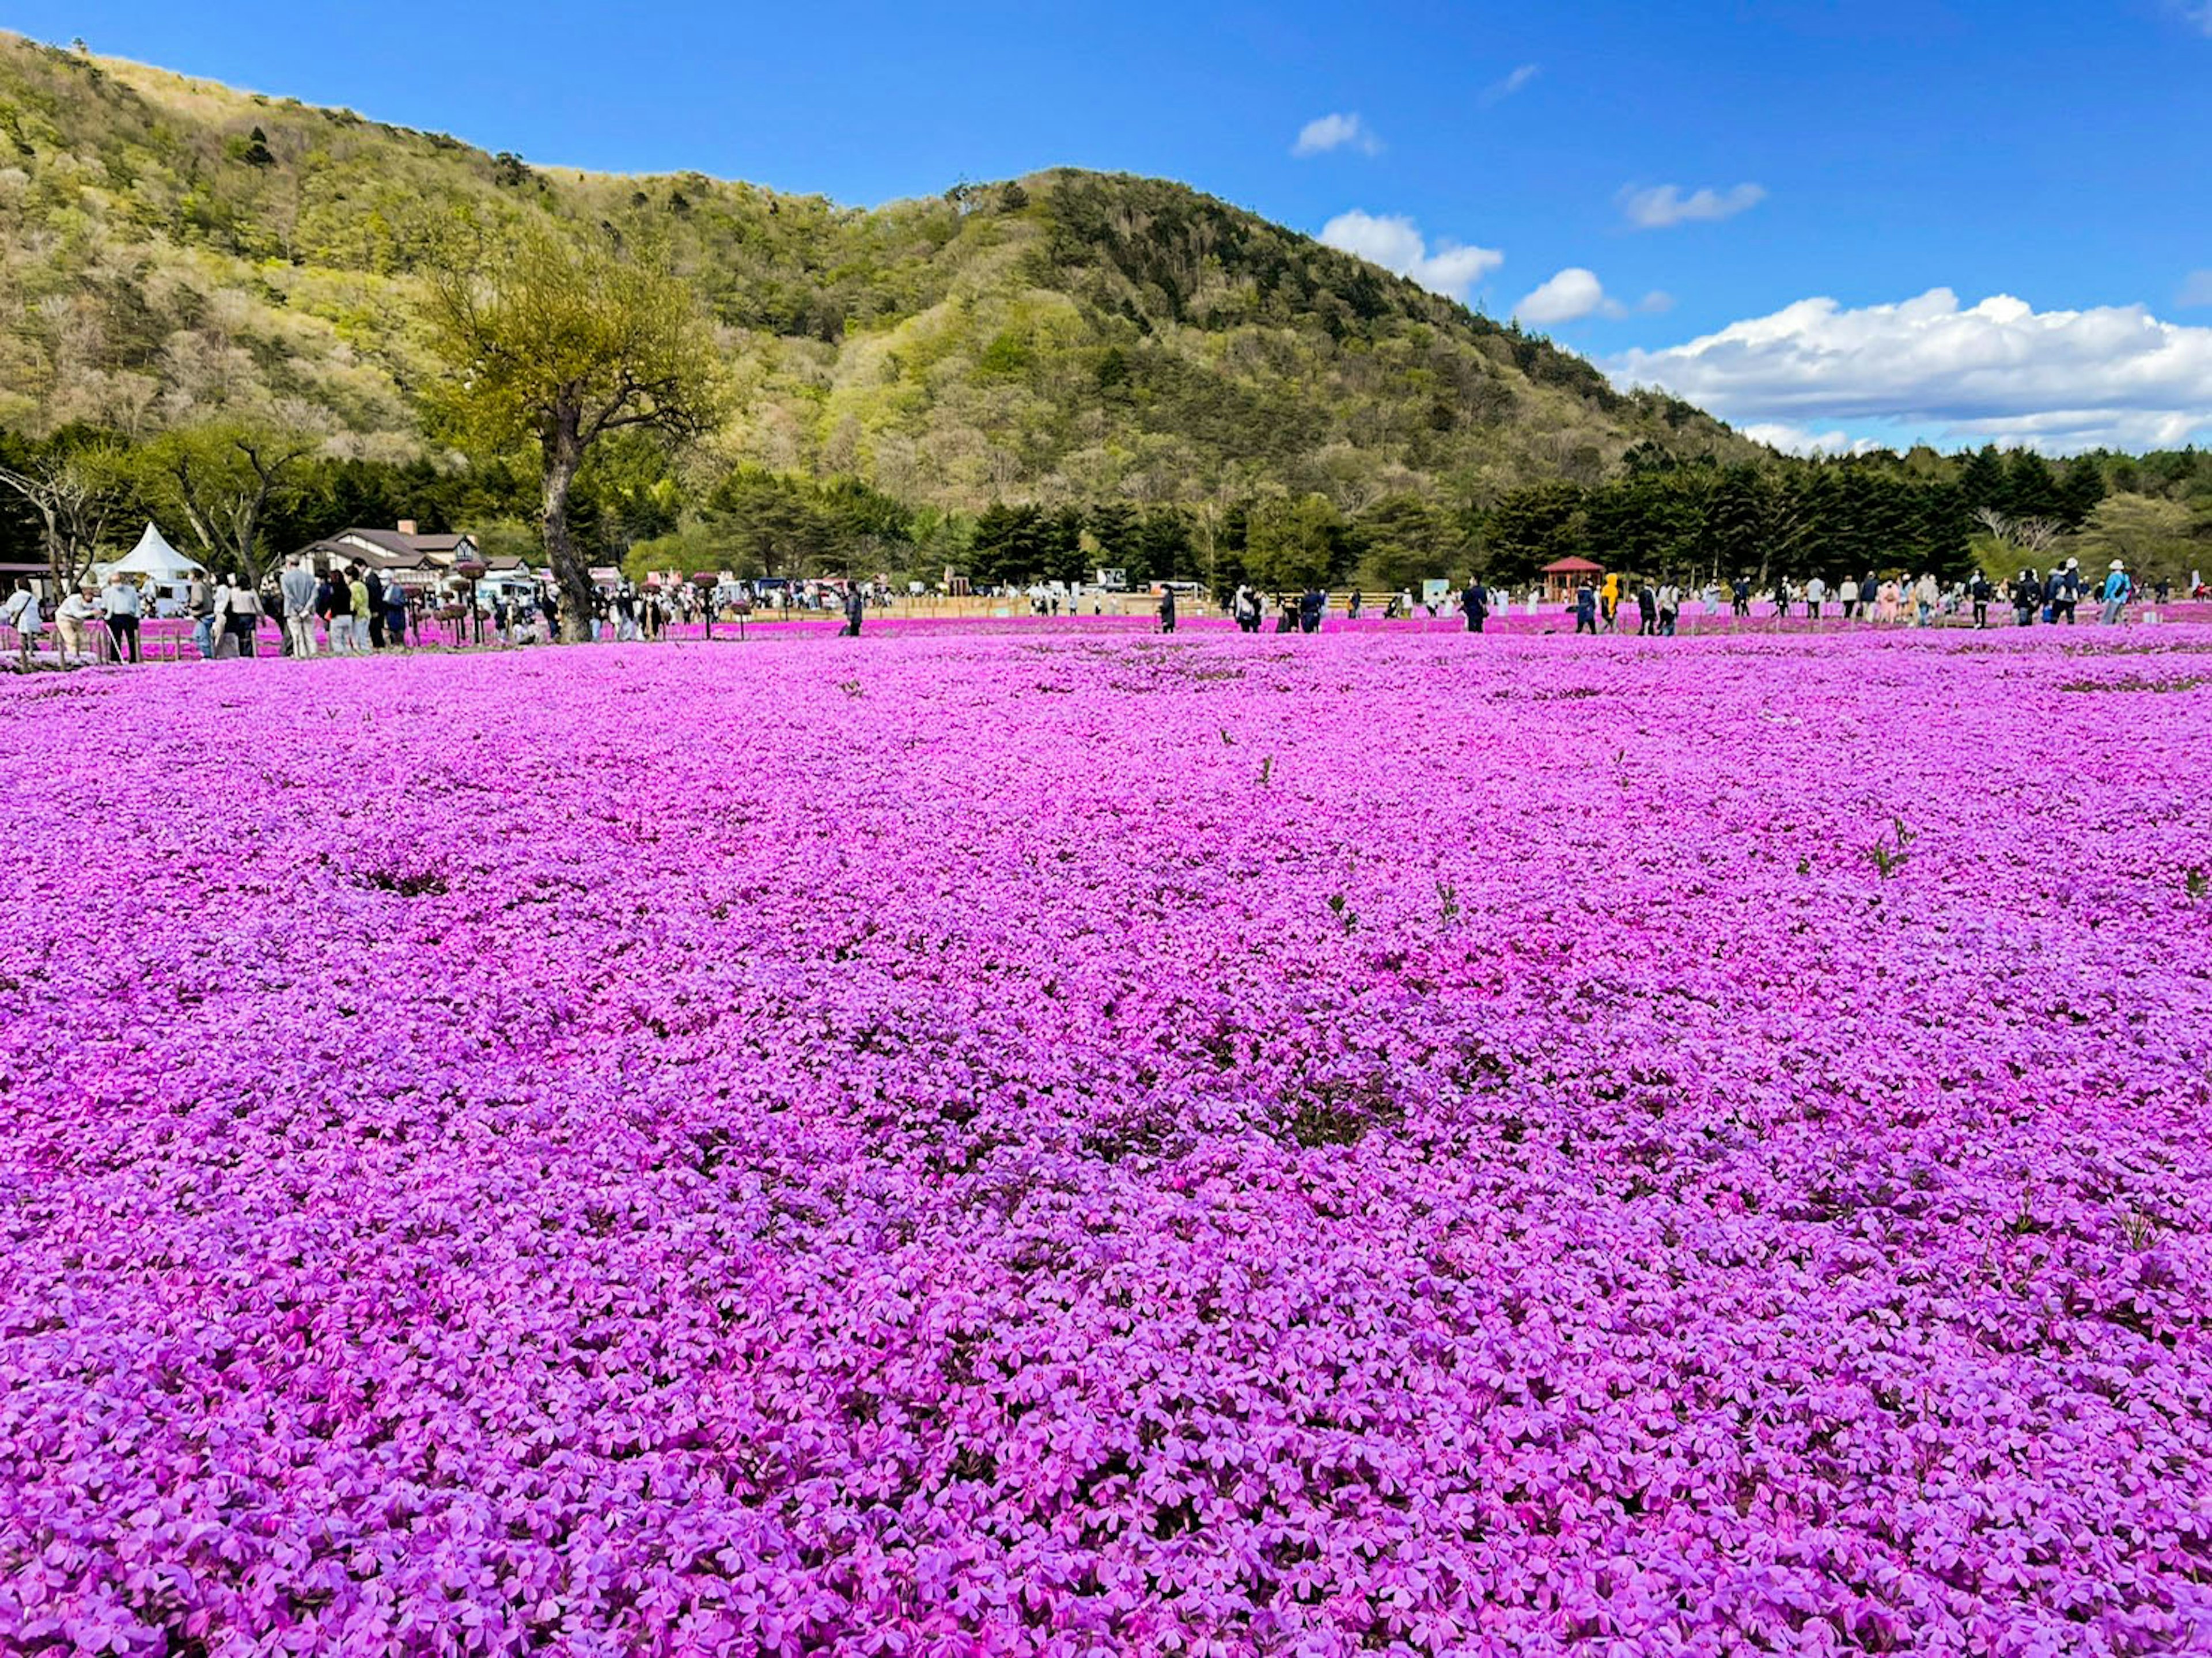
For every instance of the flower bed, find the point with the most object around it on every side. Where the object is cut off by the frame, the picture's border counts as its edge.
(1092, 1144)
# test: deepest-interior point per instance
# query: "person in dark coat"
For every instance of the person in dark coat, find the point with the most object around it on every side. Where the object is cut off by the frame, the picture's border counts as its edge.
(1740, 598)
(856, 607)
(1167, 610)
(1981, 592)
(377, 607)
(1311, 602)
(1647, 610)
(1475, 604)
(1585, 607)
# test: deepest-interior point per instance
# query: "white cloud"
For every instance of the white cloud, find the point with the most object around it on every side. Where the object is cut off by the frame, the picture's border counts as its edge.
(1998, 371)
(1574, 293)
(1327, 132)
(1799, 441)
(2196, 289)
(1655, 303)
(1663, 206)
(1499, 91)
(1395, 242)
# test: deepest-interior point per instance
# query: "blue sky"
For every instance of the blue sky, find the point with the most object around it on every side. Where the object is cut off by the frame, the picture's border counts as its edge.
(1763, 206)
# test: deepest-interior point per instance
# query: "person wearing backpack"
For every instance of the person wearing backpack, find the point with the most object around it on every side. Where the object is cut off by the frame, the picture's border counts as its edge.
(1981, 592)
(2061, 592)
(2117, 591)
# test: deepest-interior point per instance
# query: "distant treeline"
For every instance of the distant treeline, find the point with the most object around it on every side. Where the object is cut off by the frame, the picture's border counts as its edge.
(637, 506)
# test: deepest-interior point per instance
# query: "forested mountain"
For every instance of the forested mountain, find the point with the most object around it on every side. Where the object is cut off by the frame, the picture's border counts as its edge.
(168, 247)
(1017, 377)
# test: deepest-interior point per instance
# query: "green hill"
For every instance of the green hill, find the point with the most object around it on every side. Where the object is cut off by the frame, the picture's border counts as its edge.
(173, 250)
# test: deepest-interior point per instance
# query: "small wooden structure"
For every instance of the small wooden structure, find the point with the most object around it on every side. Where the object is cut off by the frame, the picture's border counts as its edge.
(1563, 575)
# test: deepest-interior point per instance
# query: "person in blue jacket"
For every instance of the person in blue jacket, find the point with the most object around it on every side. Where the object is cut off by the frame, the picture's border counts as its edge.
(2117, 591)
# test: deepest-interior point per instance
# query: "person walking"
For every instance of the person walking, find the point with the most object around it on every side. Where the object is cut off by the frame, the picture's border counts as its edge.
(297, 588)
(2118, 589)
(1816, 594)
(1311, 604)
(856, 608)
(1352, 606)
(119, 604)
(2026, 596)
(1608, 598)
(1585, 608)
(1925, 594)
(1474, 605)
(1647, 610)
(2069, 593)
(1887, 596)
(1848, 596)
(1245, 608)
(73, 621)
(1670, 607)
(1167, 608)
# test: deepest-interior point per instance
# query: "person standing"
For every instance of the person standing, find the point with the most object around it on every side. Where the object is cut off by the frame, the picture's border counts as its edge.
(856, 608)
(1244, 606)
(240, 611)
(22, 613)
(363, 614)
(1979, 590)
(1167, 608)
(119, 604)
(1474, 605)
(297, 588)
(1311, 604)
(1647, 610)
(1816, 594)
(1352, 606)
(373, 583)
(1848, 594)
(1608, 599)
(2117, 591)
(1740, 598)
(1670, 607)
(334, 604)
(2027, 595)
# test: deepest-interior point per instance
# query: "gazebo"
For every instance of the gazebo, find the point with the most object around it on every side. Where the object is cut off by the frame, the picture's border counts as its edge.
(1561, 575)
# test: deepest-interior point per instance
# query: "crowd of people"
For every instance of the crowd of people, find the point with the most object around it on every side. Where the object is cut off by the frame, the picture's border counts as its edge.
(343, 610)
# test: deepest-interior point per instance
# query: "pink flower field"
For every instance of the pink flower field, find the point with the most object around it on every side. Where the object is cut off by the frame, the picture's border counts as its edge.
(1037, 1144)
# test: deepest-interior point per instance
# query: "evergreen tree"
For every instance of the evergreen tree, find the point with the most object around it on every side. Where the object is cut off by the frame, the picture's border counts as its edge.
(1983, 483)
(2031, 491)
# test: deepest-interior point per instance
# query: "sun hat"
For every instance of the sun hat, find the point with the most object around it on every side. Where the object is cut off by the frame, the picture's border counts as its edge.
(2116, 564)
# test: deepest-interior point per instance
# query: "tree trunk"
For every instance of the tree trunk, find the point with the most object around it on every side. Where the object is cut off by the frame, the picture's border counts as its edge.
(564, 454)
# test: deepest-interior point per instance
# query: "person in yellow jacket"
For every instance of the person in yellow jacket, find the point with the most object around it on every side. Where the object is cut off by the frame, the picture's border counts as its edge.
(1609, 598)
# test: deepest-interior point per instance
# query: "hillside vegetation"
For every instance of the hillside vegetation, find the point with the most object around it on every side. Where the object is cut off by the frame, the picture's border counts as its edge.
(168, 247)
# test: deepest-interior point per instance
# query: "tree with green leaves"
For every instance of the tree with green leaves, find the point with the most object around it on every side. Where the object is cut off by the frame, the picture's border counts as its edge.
(560, 340)
(1290, 545)
(222, 479)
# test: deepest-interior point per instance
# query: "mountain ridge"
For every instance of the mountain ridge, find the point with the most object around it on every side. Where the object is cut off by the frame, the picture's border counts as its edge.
(171, 247)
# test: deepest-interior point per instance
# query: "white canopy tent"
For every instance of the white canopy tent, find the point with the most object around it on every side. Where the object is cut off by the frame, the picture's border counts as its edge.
(156, 559)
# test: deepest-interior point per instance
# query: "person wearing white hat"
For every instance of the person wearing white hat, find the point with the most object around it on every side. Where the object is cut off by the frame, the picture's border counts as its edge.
(2117, 589)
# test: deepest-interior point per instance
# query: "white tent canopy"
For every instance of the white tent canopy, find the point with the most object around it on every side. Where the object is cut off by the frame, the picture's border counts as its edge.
(154, 559)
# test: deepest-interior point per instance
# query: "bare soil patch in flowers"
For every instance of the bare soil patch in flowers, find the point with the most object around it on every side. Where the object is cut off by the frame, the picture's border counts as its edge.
(1374, 1143)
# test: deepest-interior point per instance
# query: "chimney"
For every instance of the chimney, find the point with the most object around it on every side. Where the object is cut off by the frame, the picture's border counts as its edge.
(406, 526)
